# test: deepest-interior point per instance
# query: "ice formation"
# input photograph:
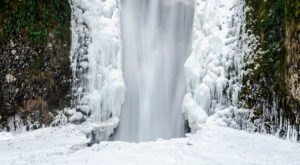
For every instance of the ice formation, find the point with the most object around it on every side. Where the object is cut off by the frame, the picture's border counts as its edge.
(98, 86)
(213, 71)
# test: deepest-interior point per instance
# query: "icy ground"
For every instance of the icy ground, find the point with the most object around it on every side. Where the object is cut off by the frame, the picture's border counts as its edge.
(212, 145)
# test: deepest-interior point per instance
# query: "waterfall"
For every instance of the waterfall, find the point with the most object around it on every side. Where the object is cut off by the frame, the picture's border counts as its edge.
(156, 38)
(178, 59)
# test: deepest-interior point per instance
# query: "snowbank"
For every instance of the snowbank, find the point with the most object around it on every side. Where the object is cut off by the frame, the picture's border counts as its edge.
(212, 145)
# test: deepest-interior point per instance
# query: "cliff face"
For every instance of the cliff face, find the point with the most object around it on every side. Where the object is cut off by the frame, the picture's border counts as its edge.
(34, 61)
(292, 44)
(272, 84)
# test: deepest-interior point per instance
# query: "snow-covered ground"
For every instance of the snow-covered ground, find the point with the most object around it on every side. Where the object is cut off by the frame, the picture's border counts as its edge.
(212, 145)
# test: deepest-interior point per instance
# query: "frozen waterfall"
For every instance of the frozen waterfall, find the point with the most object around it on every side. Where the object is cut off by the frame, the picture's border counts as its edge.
(143, 67)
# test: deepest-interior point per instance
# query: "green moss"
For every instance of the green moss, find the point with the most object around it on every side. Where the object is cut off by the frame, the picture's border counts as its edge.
(37, 64)
(34, 25)
(37, 18)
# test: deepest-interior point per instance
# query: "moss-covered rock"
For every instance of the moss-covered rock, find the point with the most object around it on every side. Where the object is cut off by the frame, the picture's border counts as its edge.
(273, 78)
(35, 70)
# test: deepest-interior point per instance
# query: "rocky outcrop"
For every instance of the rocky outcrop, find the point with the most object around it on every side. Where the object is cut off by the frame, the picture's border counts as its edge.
(292, 44)
(271, 85)
(35, 69)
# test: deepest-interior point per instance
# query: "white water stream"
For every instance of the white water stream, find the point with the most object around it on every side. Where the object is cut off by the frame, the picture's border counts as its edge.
(156, 38)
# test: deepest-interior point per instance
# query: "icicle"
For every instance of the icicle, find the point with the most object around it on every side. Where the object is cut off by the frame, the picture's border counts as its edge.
(98, 86)
(214, 69)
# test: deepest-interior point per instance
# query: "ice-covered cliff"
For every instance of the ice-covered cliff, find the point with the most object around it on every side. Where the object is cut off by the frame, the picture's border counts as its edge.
(98, 86)
(213, 71)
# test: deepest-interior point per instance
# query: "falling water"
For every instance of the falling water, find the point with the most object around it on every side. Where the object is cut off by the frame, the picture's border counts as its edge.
(156, 37)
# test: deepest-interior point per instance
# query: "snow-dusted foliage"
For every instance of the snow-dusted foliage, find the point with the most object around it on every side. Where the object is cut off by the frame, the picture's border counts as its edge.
(214, 69)
(98, 87)
(270, 110)
(233, 117)
(60, 118)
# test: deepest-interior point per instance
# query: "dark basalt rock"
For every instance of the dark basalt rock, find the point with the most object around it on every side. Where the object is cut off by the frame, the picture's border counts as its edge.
(35, 74)
(33, 81)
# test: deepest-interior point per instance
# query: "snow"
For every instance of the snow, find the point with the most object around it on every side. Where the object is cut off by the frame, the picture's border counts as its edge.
(77, 116)
(211, 145)
(213, 70)
(193, 113)
(233, 117)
